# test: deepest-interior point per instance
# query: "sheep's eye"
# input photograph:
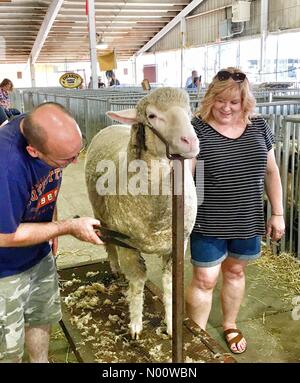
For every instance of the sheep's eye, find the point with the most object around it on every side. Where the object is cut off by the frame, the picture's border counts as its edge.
(151, 116)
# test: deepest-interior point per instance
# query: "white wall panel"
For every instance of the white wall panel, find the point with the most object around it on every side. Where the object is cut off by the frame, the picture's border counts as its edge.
(209, 5)
(171, 40)
(284, 14)
(204, 29)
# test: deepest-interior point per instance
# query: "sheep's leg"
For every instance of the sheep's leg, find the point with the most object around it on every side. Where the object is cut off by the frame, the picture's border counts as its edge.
(134, 268)
(167, 291)
(113, 259)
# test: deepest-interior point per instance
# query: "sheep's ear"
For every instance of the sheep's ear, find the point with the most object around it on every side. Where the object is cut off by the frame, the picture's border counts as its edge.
(127, 116)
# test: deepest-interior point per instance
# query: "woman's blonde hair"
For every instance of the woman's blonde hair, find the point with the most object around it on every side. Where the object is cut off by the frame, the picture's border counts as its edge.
(217, 86)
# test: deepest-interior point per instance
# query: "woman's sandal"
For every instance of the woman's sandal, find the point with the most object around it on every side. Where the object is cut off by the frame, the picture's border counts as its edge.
(235, 340)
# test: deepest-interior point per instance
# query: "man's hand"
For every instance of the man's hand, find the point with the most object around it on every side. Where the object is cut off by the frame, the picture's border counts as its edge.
(84, 229)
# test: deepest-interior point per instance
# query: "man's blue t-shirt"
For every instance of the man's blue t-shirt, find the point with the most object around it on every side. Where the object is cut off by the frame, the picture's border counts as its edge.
(28, 193)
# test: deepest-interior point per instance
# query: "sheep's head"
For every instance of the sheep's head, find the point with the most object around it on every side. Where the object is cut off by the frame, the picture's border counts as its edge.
(167, 110)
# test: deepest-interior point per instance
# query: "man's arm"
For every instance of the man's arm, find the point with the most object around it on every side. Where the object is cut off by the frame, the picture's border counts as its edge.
(275, 225)
(28, 234)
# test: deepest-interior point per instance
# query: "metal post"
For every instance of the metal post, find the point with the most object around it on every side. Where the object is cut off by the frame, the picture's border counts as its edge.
(68, 103)
(177, 249)
(178, 257)
(92, 40)
(238, 54)
(291, 182)
(86, 120)
(182, 47)
(32, 73)
(298, 194)
(284, 174)
(22, 101)
(263, 38)
(298, 207)
(134, 71)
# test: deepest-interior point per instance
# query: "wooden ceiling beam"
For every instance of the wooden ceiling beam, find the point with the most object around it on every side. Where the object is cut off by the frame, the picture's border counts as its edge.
(17, 14)
(25, 4)
(42, 26)
(13, 19)
(18, 23)
(114, 11)
(17, 34)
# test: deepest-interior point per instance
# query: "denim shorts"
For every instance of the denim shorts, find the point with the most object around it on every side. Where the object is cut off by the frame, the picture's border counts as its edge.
(207, 251)
(29, 298)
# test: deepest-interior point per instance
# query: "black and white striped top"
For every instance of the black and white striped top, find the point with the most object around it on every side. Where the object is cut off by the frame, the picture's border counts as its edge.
(234, 171)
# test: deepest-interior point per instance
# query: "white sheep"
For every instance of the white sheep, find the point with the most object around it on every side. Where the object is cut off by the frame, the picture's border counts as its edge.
(144, 217)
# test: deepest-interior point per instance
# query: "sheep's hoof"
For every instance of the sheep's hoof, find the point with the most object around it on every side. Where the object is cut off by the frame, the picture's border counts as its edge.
(135, 336)
(135, 331)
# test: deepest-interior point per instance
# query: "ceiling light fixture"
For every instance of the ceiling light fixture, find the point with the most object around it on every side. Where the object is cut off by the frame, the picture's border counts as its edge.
(100, 44)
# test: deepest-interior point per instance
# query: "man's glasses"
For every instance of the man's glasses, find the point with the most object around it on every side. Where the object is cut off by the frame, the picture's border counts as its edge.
(67, 161)
(224, 75)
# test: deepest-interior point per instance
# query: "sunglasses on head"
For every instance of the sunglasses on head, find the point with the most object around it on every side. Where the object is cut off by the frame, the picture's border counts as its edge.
(225, 75)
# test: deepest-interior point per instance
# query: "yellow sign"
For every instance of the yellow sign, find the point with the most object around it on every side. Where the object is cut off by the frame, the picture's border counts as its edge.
(70, 80)
(107, 61)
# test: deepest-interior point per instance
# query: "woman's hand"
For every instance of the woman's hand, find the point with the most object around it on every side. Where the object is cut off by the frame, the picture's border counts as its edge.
(275, 227)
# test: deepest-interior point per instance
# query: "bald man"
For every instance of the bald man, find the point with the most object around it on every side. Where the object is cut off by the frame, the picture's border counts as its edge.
(34, 150)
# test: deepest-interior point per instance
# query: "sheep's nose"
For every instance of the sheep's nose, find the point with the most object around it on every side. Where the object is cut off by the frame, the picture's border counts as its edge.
(189, 140)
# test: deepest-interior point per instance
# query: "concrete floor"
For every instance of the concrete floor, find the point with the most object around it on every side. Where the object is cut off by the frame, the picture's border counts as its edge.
(265, 318)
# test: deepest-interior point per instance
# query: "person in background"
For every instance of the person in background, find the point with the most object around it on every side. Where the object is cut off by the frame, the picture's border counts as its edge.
(236, 149)
(113, 80)
(90, 84)
(108, 75)
(100, 83)
(35, 148)
(6, 87)
(196, 84)
(190, 80)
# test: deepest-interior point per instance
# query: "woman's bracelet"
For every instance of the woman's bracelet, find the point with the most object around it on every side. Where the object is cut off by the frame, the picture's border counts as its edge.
(280, 215)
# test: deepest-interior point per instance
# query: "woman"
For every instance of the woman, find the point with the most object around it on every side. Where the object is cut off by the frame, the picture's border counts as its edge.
(236, 147)
(6, 87)
(113, 80)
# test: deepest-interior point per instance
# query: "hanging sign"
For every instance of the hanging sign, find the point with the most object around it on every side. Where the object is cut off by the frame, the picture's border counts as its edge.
(107, 61)
(70, 80)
